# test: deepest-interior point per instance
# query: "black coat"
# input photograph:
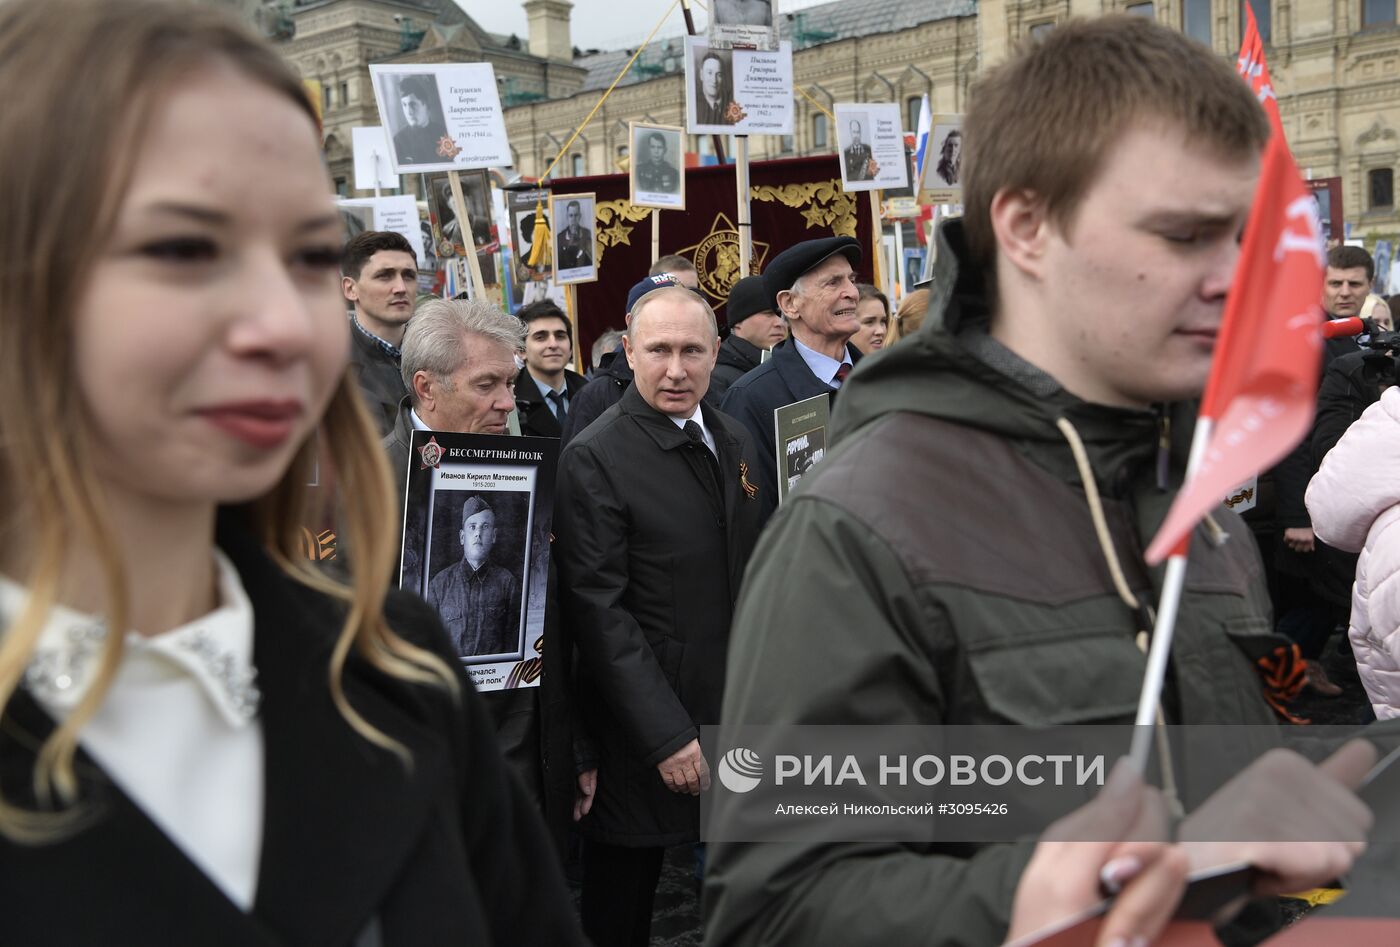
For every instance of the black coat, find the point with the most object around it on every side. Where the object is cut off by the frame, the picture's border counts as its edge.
(737, 357)
(778, 382)
(650, 560)
(379, 378)
(534, 726)
(356, 848)
(536, 417)
(602, 392)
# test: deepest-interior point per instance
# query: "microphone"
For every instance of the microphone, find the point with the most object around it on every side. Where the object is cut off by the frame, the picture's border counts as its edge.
(1339, 328)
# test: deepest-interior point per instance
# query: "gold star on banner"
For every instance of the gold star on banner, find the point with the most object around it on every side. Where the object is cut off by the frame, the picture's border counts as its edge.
(617, 234)
(815, 216)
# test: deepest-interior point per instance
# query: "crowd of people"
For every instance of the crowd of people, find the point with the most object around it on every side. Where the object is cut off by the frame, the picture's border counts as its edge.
(207, 738)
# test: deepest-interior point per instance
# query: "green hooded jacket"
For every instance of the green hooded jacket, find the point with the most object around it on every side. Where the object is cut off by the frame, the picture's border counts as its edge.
(941, 566)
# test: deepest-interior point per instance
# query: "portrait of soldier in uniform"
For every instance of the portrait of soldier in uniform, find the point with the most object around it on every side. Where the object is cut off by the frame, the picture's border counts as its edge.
(478, 600)
(857, 155)
(574, 245)
(654, 172)
(950, 158)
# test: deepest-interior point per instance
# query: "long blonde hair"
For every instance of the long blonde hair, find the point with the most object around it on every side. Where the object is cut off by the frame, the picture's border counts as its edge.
(86, 77)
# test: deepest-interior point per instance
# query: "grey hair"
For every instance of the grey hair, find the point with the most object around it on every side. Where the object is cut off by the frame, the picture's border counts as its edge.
(432, 341)
(605, 344)
(670, 292)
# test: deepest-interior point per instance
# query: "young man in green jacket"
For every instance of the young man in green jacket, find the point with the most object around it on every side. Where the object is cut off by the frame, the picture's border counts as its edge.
(942, 565)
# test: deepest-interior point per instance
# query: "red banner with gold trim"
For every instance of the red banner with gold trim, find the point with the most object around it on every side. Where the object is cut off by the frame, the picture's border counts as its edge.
(790, 200)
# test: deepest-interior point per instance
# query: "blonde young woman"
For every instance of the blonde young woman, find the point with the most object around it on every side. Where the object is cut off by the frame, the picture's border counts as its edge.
(203, 742)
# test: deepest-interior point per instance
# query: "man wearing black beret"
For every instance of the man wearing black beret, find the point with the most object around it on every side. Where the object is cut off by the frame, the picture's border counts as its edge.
(812, 284)
(754, 326)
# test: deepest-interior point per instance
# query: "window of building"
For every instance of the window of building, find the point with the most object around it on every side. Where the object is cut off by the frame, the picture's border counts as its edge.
(1147, 10)
(326, 97)
(1195, 19)
(786, 145)
(342, 187)
(1382, 188)
(818, 131)
(577, 165)
(344, 94)
(1042, 30)
(912, 106)
(1377, 13)
(1263, 16)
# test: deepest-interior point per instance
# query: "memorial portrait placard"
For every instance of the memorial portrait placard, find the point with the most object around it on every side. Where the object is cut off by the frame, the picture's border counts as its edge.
(751, 24)
(942, 178)
(656, 173)
(478, 510)
(441, 117)
(397, 214)
(575, 255)
(870, 144)
(738, 91)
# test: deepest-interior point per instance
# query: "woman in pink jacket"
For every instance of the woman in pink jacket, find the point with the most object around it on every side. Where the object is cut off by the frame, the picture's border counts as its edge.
(1354, 502)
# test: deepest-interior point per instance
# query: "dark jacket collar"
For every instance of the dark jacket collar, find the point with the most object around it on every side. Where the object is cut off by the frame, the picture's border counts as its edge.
(741, 353)
(664, 431)
(528, 392)
(792, 368)
(617, 366)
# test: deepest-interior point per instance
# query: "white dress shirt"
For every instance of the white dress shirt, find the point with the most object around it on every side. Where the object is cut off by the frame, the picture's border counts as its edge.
(177, 729)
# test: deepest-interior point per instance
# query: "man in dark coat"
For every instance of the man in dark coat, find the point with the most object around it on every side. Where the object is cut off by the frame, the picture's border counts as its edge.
(655, 519)
(813, 284)
(545, 388)
(615, 376)
(379, 277)
(754, 327)
(470, 393)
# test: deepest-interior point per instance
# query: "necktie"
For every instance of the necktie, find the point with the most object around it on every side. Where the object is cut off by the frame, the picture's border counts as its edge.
(561, 410)
(697, 440)
(841, 374)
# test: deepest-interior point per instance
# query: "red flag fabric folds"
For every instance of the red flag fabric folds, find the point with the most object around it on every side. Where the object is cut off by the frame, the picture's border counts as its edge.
(1259, 400)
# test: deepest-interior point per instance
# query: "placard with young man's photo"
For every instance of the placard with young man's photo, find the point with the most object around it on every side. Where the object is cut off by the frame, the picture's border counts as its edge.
(743, 23)
(942, 177)
(477, 517)
(575, 257)
(656, 173)
(738, 91)
(441, 117)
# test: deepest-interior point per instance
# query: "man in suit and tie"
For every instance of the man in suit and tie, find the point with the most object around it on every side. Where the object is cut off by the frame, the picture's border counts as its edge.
(655, 518)
(813, 284)
(857, 155)
(545, 388)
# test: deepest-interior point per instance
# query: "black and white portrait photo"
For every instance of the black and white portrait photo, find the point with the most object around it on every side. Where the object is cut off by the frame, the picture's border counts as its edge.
(853, 138)
(941, 182)
(478, 510)
(477, 566)
(743, 24)
(573, 238)
(714, 87)
(947, 149)
(743, 12)
(416, 123)
(657, 166)
(357, 219)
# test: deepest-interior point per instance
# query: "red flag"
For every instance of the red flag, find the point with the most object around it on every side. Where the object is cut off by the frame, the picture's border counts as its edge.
(1259, 400)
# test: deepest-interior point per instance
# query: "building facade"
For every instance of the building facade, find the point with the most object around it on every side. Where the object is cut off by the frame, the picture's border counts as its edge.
(1335, 64)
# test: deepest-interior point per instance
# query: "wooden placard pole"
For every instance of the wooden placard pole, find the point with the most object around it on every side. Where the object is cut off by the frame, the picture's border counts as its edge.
(741, 180)
(655, 235)
(571, 310)
(454, 181)
(877, 238)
